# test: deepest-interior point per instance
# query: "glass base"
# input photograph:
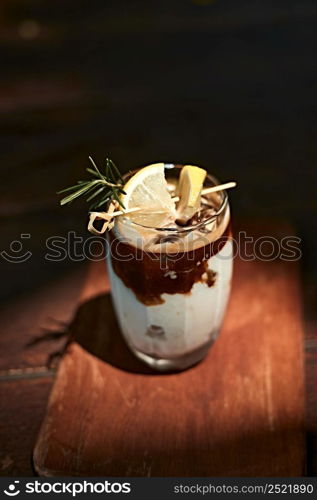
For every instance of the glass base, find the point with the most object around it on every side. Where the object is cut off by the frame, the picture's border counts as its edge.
(174, 364)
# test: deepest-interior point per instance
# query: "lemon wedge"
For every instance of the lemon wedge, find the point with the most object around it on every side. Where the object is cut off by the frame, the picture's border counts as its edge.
(189, 188)
(148, 189)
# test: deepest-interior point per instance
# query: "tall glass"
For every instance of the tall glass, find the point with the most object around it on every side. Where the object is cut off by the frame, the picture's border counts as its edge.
(170, 286)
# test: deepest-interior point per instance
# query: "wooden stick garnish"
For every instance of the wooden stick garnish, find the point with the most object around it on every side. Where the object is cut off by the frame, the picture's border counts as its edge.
(212, 189)
(108, 216)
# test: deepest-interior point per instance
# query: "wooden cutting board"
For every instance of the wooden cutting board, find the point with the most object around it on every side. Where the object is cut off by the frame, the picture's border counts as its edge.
(238, 413)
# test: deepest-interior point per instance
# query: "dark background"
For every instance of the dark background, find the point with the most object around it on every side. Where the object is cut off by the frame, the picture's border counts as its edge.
(228, 84)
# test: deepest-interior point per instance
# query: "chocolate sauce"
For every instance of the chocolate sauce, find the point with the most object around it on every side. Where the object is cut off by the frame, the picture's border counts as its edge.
(155, 332)
(210, 278)
(150, 274)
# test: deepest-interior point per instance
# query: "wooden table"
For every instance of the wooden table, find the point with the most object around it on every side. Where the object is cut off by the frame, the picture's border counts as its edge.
(259, 428)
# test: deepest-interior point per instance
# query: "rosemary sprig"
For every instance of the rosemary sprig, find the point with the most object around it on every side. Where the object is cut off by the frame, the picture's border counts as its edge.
(102, 188)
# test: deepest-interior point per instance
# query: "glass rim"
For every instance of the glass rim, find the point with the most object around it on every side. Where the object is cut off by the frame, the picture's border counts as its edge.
(170, 166)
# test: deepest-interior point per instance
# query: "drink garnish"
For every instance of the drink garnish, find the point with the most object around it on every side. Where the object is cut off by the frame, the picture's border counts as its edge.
(148, 188)
(189, 189)
(102, 188)
(145, 196)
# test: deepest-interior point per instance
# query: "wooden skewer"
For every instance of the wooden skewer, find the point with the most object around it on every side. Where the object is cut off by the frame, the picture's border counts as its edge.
(108, 216)
(212, 189)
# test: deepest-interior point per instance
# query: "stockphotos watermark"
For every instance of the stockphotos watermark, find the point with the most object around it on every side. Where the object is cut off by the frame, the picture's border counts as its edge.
(160, 487)
(78, 248)
(71, 488)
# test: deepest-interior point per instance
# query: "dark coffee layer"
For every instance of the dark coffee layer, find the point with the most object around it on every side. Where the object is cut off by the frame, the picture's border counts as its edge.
(150, 274)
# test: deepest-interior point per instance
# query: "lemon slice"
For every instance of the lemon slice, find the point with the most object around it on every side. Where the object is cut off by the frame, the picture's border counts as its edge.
(189, 188)
(148, 189)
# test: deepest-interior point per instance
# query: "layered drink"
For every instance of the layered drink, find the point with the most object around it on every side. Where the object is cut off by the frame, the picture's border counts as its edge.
(170, 265)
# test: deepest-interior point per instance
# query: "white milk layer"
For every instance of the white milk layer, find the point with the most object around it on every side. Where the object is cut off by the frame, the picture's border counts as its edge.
(184, 322)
